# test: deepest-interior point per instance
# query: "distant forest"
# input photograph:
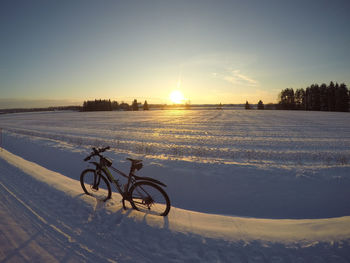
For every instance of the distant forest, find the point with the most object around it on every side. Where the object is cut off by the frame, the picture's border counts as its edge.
(59, 108)
(333, 97)
(108, 105)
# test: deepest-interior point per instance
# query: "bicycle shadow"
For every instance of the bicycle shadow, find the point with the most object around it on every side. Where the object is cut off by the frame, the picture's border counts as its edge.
(166, 222)
(152, 219)
(112, 213)
(78, 196)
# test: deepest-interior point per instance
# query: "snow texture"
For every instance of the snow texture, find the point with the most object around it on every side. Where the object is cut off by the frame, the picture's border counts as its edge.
(281, 197)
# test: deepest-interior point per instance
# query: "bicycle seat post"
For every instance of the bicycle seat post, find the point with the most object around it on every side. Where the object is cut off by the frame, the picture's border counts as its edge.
(132, 169)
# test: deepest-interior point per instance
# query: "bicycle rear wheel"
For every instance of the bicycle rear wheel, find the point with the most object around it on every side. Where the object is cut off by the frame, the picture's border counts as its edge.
(149, 197)
(95, 185)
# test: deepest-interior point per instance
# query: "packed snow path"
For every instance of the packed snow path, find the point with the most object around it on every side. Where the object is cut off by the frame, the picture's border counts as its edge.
(44, 217)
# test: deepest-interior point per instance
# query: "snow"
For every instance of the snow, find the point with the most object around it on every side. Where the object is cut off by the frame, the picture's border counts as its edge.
(231, 136)
(282, 197)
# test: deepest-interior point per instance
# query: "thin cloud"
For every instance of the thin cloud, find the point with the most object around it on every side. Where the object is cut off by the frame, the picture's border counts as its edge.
(245, 78)
(237, 78)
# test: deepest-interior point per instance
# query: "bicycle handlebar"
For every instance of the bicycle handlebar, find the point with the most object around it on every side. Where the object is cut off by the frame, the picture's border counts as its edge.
(96, 152)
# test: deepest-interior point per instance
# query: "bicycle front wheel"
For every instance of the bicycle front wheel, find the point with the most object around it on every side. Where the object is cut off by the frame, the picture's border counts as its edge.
(149, 197)
(95, 185)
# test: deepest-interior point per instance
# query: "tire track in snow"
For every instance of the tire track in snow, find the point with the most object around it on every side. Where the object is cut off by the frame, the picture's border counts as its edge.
(49, 227)
(38, 215)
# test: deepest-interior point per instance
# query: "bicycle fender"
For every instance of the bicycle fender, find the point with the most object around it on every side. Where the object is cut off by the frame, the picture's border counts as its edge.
(149, 179)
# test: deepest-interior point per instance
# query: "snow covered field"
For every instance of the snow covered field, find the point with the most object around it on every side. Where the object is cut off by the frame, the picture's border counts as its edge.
(230, 136)
(246, 186)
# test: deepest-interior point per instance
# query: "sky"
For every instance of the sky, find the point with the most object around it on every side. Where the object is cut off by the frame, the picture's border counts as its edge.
(65, 52)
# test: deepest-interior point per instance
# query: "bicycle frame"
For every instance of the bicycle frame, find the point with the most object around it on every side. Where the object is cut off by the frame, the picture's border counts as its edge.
(135, 190)
(110, 177)
(116, 181)
(132, 178)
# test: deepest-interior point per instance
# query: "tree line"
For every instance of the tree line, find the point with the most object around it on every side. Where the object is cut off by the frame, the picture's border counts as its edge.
(333, 97)
(260, 106)
(108, 105)
(58, 108)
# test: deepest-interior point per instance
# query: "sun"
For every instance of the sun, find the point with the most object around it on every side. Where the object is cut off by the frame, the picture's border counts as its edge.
(177, 97)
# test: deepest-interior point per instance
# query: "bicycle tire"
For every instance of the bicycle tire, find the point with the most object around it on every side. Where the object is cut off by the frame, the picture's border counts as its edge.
(149, 197)
(102, 191)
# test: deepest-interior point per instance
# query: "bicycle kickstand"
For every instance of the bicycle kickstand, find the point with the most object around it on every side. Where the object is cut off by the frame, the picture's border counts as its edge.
(123, 201)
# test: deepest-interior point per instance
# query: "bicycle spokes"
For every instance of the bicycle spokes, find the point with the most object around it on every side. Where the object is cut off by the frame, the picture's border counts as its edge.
(94, 188)
(95, 185)
(146, 201)
(146, 196)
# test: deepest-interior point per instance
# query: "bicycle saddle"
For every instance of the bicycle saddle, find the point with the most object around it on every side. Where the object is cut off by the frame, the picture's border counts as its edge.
(134, 161)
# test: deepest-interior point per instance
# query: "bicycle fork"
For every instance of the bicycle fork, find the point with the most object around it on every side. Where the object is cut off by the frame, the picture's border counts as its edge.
(96, 183)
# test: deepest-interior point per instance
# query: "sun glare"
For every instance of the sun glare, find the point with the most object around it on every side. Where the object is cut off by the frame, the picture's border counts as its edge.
(177, 97)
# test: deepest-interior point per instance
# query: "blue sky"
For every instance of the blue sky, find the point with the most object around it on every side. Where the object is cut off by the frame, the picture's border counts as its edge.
(213, 51)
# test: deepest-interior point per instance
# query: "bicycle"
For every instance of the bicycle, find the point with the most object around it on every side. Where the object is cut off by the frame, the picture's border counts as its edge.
(143, 193)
